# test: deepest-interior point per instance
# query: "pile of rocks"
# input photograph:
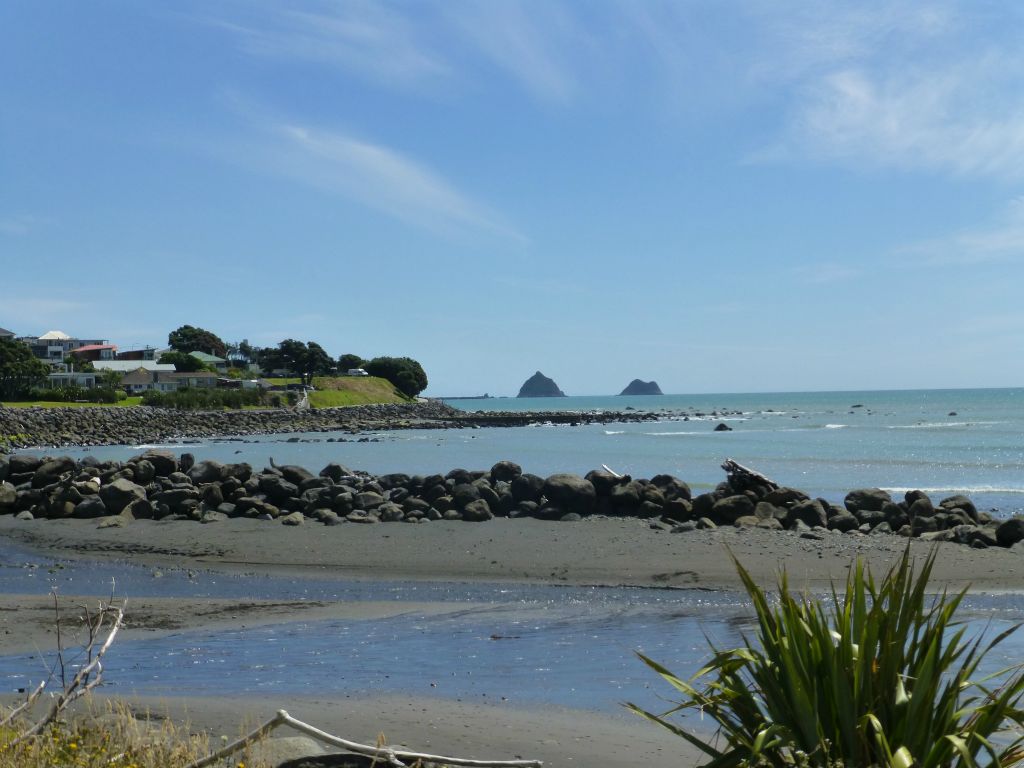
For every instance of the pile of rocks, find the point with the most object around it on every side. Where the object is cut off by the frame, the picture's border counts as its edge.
(158, 484)
(88, 426)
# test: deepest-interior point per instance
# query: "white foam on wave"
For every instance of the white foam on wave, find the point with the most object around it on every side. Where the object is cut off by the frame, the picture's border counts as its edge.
(942, 424)
(615, 431)
(675, 434)
(836, 426)
(167, 446)
(966, 490)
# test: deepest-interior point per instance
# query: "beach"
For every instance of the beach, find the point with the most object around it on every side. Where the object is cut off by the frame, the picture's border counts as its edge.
(590, 552)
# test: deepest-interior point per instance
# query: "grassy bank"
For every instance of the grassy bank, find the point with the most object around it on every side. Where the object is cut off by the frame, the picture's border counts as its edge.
(127, 402)
(337, 391)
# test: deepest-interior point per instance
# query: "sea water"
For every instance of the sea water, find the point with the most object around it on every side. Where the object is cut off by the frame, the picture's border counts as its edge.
(554, 644)
(826, 443)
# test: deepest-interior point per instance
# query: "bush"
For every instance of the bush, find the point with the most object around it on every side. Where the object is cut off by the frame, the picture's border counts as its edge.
(77, 394)
(882, 676)
(194, 398)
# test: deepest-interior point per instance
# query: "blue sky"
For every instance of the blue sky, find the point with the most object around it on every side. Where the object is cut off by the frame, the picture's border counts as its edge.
(721, 196)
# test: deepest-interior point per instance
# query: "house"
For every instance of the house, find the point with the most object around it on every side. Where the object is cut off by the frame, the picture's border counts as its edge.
(138, 381)
(54, 346)
(195, 379)
(93, 352)
(6, 335)
(146, 353)
(218, 363)
(71, 379)
(127, 366)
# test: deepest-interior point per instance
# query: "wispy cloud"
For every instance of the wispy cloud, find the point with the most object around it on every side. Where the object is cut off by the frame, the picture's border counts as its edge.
(375, 176)
(897, 85)
(1002, 241)
(529, 41)
(369, 38)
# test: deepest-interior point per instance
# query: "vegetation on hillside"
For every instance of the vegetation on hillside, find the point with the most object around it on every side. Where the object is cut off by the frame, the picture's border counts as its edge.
(404, 372)
(337, 391)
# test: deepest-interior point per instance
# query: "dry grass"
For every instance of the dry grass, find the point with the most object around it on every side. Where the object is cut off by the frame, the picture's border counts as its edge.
(115, 739)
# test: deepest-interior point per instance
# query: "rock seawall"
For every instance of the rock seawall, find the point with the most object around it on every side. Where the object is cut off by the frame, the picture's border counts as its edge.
(63, 427)
(159, 484)
(31, 427)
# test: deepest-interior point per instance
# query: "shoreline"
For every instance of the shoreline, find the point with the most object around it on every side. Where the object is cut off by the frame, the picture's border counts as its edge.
(600, 553)
(41, 429)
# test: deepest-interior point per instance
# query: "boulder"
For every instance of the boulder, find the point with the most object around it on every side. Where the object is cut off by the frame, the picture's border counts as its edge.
(164, 462)
(921, 507)
(809, 512)
(8, 497)
(866, 500)
(336, 472)
(1010, 531)
(51, 469)
(961, 502)
(571, 493)
(505, 471)
(464, 493)
(120, 493)
(91, 507)
(730, 509)
(295, 518)
(527, 487)
(844, 522)
(671, 487)
(294, 473)
(476, 511)
(207, 471)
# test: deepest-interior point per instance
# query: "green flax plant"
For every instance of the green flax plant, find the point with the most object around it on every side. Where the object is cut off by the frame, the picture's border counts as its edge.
(881, 675)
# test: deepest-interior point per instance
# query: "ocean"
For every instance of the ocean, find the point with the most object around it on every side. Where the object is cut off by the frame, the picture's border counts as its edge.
(968, 441)
(567, 646)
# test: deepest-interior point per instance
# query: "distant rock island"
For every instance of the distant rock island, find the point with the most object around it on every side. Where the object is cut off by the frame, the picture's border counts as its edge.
(540, 385)
(637, 387)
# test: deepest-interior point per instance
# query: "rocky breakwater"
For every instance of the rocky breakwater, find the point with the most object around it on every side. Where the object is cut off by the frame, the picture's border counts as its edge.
(32, 427)
(159, 484)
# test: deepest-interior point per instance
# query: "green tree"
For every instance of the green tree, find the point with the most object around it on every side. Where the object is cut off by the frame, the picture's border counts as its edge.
(20, 370)
(305, 360)
(182, 361)
(110, 379)
(405, 373)
(191, 339)
(348, 362)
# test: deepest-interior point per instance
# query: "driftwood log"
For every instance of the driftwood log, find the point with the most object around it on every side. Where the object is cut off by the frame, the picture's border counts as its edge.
(387, 755)
(743, 478)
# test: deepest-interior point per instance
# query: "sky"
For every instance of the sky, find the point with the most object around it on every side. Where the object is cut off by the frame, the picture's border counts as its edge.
(754, 196)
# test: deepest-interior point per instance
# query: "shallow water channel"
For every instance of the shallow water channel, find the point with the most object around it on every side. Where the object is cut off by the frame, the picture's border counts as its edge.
(520, 644)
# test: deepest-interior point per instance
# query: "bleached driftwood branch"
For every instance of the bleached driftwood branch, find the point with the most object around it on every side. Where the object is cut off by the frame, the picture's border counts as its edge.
(394, 757)
(25, 705)
(89, 675)
(746, 476)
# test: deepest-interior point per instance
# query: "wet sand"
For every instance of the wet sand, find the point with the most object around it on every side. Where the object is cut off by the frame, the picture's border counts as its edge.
(594, 551)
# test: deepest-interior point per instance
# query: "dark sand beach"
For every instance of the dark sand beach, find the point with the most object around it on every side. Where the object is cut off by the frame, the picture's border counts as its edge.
(591, 552)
